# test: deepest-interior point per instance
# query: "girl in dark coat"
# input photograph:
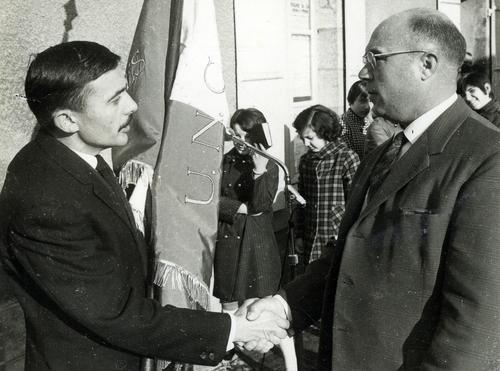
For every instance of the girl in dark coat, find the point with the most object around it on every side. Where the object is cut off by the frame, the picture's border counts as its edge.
(478, 94)
(247, 260)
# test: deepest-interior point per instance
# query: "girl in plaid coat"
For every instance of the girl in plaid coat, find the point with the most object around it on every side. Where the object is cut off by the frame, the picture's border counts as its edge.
(325, 174)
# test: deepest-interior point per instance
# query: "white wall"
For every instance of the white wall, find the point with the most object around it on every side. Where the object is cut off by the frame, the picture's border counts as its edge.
(356, 39)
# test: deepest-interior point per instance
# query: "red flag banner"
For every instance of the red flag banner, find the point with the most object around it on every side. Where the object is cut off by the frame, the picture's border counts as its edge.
(175, 74)
(178, 132)
(150, 78)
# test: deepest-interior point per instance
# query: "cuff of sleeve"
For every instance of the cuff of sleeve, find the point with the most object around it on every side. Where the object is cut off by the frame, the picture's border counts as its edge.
(286, 307)
(232, 333)
(258, 174)
(228, 209)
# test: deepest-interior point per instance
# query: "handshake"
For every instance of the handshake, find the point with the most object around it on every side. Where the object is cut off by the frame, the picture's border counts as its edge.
(261, 323)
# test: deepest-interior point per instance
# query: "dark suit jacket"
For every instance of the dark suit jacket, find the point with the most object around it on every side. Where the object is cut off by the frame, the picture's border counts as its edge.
(414, 283)
(78, 266)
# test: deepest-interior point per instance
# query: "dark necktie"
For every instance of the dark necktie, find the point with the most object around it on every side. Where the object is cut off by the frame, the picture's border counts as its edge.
(107, 173)
(110, 178)
(384, 164)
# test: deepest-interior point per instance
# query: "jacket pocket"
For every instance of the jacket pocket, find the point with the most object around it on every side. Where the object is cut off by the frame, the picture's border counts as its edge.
(418, 211)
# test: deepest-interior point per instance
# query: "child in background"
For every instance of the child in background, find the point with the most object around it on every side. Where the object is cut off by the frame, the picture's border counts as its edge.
(325, 175)
(478, 93)
(355, 120)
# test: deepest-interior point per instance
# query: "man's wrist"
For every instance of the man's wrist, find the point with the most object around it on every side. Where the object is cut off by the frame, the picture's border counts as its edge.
(232, 333)
(286, 308)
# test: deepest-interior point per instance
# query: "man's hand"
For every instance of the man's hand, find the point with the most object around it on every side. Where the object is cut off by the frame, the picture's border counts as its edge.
(261, 333)
(268, 303)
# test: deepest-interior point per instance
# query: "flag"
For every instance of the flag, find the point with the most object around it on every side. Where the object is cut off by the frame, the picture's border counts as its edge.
(150, 75)
(175, 74)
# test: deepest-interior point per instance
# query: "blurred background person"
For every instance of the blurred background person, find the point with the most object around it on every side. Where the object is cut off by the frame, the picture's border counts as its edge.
(247, 259)
(479, 95)
(466, 67)
(325, 174)
(378, 132)
(354, 120)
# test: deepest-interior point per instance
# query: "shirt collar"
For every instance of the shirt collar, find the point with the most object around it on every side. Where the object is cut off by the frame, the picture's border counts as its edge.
(89, 159)
(355, 118)
(327, 149)
(417, 127)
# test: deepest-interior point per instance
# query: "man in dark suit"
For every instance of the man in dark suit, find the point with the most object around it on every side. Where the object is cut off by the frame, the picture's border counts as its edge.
(414, 280)
(69, 241)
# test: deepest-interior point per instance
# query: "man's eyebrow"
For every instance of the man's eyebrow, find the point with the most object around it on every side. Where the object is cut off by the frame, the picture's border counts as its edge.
(117, 93)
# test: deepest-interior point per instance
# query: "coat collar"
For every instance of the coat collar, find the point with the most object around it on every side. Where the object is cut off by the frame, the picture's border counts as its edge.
(328, 150)
(416, 159)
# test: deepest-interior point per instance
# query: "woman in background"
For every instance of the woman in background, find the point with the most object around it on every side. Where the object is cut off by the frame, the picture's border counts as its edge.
(247, 260)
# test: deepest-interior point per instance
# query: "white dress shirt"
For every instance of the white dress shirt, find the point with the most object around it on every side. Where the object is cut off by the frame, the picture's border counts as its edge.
(421, 124)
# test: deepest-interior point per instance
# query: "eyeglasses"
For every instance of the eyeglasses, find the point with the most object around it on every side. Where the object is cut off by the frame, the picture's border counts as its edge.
(371, 58)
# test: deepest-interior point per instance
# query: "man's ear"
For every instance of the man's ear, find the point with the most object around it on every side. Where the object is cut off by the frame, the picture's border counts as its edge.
(66, 120)
(487, 88)
(429, 65)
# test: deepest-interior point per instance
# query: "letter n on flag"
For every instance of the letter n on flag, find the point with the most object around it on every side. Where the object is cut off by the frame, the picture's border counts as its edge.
(175, 146)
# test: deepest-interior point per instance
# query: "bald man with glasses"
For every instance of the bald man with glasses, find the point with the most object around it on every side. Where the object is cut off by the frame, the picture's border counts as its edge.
(413, 281)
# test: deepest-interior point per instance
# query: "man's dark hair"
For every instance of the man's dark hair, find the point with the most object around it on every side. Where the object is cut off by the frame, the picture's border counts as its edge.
(429, 25)
(58, 76)
(477, 79)
(247, 118)
(357, 89)
(322, 120)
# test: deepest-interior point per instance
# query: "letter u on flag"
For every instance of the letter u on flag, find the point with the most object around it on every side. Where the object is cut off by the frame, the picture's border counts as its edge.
(175, 75)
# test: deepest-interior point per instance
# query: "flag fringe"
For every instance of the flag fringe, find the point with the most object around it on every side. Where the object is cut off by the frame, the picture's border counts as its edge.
(132, 171)
(140, 175)
(180, 279)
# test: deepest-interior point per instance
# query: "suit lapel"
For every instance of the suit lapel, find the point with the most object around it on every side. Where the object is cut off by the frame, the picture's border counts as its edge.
(106, 195)
(404, 170)
(359, 188)
(113, 201)
(417, 158)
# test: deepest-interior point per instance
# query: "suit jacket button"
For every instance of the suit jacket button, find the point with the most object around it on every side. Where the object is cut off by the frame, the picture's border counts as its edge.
(211, 356)
(346, 280)
(203, 355)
